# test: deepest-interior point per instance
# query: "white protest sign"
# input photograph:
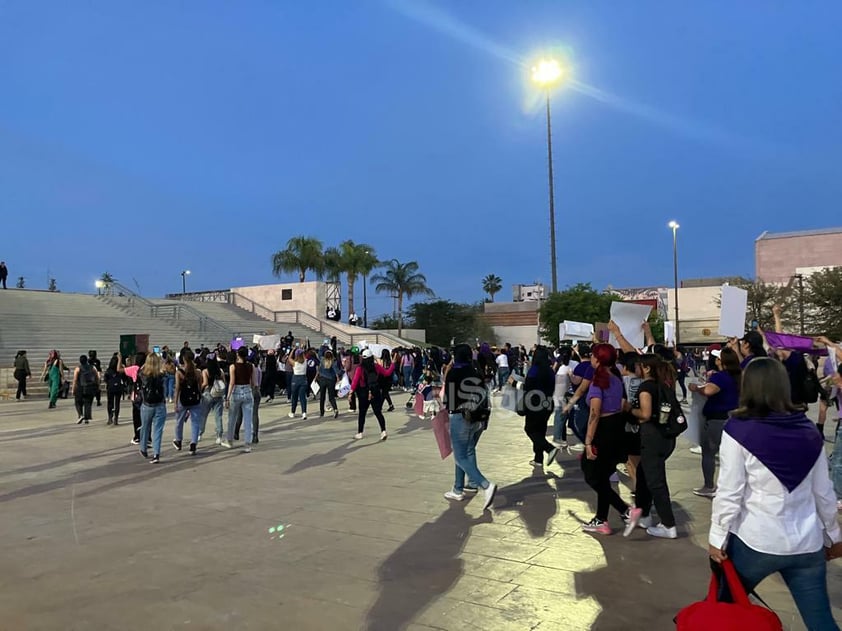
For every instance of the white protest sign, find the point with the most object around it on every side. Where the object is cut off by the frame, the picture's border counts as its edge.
(732, 317)
(669, 333)
(629, 317)
(576, 331)
(266, 342)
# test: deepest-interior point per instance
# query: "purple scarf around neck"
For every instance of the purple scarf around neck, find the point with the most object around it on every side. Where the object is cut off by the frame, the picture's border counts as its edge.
(787, 444)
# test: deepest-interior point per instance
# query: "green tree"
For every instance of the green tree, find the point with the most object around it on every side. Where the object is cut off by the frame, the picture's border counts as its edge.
(656, 324)
(491, 284)
(580, 303)
(822, 300)
(445, 321)
(107, 278)
(385, 322)
(302, 255)
(402, 280)
(333, 265)
(357, 259)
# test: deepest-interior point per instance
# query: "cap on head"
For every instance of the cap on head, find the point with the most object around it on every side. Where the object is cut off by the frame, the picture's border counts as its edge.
(367, 353)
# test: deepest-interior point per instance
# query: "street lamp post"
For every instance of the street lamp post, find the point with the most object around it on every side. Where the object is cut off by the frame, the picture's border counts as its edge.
(184, 274)
(365, 296)
(548, 73)
(674, 225)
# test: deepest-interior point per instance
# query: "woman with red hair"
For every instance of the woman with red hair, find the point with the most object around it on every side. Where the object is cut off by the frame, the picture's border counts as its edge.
(605, 441)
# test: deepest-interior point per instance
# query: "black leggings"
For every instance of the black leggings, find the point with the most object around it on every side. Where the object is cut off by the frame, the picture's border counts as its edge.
(535, 426)
(609, 443)
(21, 386)
(681, 377)
(327, 390)
(376, 404)
(136, 421)
(83, 405)
(114, 405)
(651, 486)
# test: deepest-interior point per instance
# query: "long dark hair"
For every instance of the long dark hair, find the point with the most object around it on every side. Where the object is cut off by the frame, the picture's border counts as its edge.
(661, 370)
(765, 390)
(731, 364)
(213, 368)
(541, 367)
(386, 357)
(189, 365)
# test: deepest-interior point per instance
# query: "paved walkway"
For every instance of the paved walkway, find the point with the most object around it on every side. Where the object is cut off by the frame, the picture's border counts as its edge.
(315, 531)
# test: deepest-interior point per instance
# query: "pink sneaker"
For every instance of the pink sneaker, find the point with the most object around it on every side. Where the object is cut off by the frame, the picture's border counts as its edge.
(598, 526)
(631, 523)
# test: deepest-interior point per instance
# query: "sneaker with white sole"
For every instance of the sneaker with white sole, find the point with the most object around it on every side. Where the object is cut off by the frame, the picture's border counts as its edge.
(551, 457)
(218, 441)
(304, 416)
(383, 435)
(577, 447)
(633, 520)
(662, 532)
(645, 522)
(247, 449)
(452, 495)
(291, 415)
(490, 492)
(225, 444)
(470, 488)
(696, 450)
(358, 436)
(598, 526)
(705, 491)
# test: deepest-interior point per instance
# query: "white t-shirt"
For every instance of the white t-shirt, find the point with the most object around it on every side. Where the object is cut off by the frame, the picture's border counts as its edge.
(562, 382)
(502, 361)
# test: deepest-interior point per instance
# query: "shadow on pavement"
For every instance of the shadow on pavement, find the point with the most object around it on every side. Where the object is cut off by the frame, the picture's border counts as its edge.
(424, 567)
(335, 456)
(534, 498)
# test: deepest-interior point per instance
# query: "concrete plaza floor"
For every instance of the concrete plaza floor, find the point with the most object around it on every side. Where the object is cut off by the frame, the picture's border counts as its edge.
(316, 531)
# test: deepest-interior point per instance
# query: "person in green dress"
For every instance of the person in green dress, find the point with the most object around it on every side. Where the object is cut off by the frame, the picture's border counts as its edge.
(53, 372)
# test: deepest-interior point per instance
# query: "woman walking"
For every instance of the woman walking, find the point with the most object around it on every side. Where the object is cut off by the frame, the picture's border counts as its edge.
(538, 389)
(153, 407)
(605, 441)
(53, 370)
(84, 386)
(385, 383)
(22, 373)
(241, 397)
(298, 384)
(775, 509)
(368, 392)
(329, 374)
(213, 395)
(188, 401)
(655, 448)
(114, 388)
(723, 396)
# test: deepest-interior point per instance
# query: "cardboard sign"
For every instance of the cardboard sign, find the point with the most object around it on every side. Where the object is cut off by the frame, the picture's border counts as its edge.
(732, 317)
(629, 318)
(602, 334)
(669, 333)
(576, 331)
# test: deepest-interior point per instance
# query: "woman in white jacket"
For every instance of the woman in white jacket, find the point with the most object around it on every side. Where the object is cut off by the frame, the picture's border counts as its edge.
(775, 509)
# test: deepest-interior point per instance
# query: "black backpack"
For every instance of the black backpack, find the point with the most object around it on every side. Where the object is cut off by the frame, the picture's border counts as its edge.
(189, 394)
(152, 389)
(114, 382)
(812, 387)
(669, 415)
(87, 380)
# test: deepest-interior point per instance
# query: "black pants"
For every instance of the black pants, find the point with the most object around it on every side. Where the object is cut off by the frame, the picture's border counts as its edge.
(267, 387)
(327, 390)
(376, 404)
(535, 426)
(98, 395)
(609, 442)
(114, 405)
(651, 484)
(83, 405)
(681, 377)
(136, 421)
(21, 377)
(4, 282)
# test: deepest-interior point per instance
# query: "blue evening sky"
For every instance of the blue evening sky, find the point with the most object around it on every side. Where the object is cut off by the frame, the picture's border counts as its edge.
(147, 137)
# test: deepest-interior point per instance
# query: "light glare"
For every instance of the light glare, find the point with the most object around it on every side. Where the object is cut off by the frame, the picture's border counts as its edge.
(547, 72)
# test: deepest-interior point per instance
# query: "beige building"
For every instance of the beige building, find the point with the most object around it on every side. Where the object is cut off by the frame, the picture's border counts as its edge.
(513, 322)
(780, 256)
(308, 297)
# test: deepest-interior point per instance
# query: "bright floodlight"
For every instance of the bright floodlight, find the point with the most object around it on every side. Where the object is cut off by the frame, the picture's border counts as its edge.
(187, 271)
(99, 284)
(674, 225)
(547, 72)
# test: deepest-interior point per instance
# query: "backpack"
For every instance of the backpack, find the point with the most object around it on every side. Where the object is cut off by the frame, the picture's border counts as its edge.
(737, 616)
(670, 416)
(87, 381)
(189, 394)
(152, 389)
(812, 387)
(113, 382)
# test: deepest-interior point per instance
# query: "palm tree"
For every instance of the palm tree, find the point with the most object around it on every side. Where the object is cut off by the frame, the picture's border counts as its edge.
(301, 255)
(401, 279)
(107, 278)
(358, 259)
(333, 265)
(491, 284)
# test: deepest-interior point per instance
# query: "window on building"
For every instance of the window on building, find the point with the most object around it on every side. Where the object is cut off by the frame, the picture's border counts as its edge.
(286, 294)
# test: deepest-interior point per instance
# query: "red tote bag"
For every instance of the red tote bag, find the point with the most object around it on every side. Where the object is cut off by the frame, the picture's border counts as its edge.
(741, 615)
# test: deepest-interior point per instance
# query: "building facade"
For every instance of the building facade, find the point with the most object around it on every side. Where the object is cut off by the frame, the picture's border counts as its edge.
(780, 256)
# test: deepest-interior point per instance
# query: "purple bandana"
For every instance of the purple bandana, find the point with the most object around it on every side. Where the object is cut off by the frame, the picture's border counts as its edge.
(788, 445)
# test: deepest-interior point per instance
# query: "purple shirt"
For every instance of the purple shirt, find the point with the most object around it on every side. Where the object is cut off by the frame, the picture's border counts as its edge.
(724, 401)
(612, 396)
(584, 370)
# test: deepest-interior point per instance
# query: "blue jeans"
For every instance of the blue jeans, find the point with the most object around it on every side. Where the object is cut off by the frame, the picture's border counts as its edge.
(836, 463)
(502, 376)
(581, 412)
(804, 574)
(463, 438)
(242, 399)
(209, 404)
(407, 376)
(169, 386)
(560, 423)
(299, 390)
(196, 422)
(154, 415)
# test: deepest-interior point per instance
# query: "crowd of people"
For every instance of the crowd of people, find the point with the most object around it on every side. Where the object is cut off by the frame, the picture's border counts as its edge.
(619, 403)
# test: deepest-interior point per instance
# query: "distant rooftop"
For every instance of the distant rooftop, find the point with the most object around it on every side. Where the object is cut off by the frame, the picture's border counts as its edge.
(798, 233)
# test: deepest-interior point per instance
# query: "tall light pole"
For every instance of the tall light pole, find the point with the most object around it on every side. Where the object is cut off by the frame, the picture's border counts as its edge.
(365, 297)
(674, 225)
(184, 274)
(548, 73)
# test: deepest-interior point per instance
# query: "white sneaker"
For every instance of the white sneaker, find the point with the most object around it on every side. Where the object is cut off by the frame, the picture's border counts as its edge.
(458, 497)
(383, 435)
(247, 449)
(291, 415)
(490, 492)
(218, 441)
(304, 416)
(358, 436)
(225, 444)
(696, 450)
(662, 531)
(645, 522)
(578, 447)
